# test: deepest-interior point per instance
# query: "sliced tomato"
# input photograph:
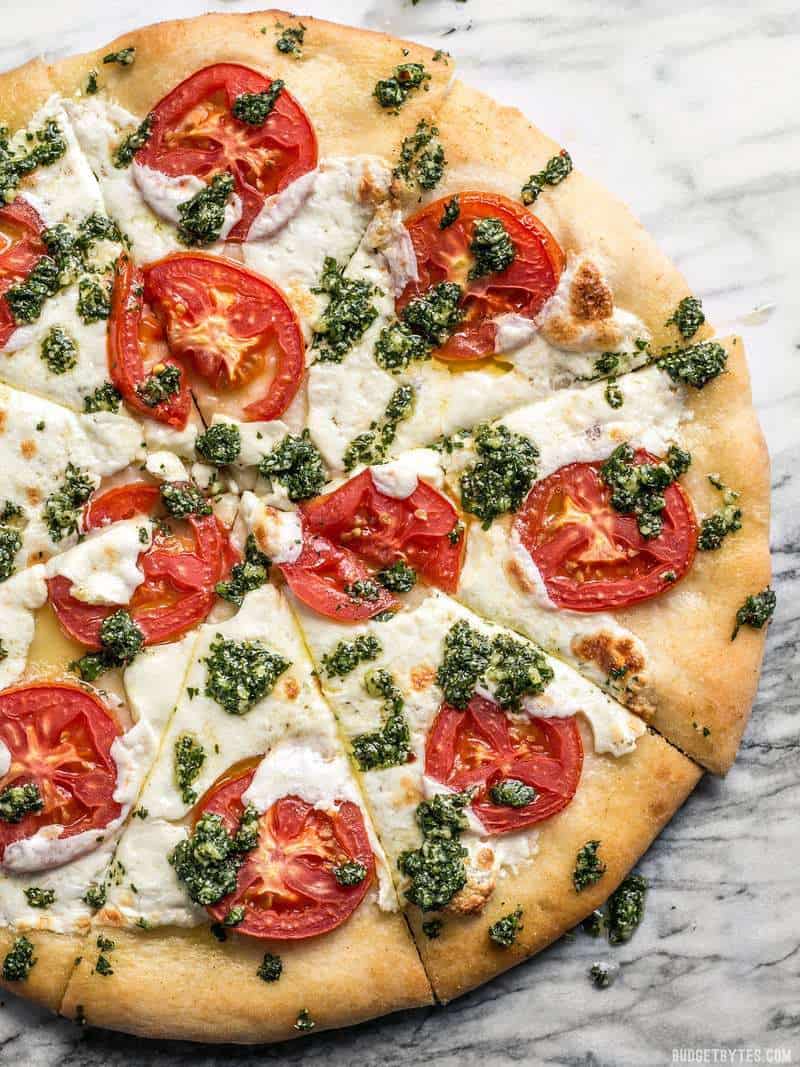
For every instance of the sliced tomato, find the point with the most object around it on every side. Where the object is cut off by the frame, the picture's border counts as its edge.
(181, 570)
(59, 737)
(321, 575)
(592, 557)
(136, 345)
(483, 746)
(234, 327)
(381, 529)
(286, 884)
(21, 248)
(443, 255)
(194, 132)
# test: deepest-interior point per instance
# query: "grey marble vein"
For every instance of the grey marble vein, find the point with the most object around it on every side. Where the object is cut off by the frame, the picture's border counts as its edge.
(688, 111)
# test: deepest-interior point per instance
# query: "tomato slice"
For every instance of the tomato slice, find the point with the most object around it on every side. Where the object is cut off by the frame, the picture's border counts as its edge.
(592, 557)
(323, 571)
(136, 345)
(21, 248)
(194, 132)
(481, 746)
(444, 255)
(60, 738)
(181, 570)
(381, 530)
(234, 327)
(286, 884)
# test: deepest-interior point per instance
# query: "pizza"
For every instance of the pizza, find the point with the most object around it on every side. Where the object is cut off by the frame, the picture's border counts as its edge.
(383, 534)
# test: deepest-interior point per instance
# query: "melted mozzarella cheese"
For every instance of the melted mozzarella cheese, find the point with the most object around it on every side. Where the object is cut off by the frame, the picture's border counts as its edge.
(166, 467)
(165, 194)
(279, 534)
(5, 759)
(20, 596)
(280, 208)
(104, 568)
(159, 437)
(400, 477)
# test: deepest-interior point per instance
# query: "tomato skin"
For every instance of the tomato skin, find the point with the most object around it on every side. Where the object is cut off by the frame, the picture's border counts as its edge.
(21, 248)
(390, 529)
(200, 297)
(292, 864)
(59, 737)
(482, 745)
(180, 572)
(263, 160)
(319, 575)
(443, 255)
(125, 360)
(627, 568)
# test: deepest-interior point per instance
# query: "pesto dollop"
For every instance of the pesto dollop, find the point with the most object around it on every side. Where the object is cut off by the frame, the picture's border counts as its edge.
(388, 746)
(347, 655)
(297, 464)
(687, 317)
(422, 160)
(554, 172)
(505, 931)
(499, 480)
(241, 673)
(589, 868)
(348, 315)
(638, 488)
(436, 869)
(756, 611)
(203, 215)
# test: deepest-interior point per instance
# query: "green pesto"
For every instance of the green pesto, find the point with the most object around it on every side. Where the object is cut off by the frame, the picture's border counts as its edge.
(373, 445)
(132, 142)
(304, 1021)
(182, 499)
(715, 528)
(399, 578)
(94, 300)
(26, 298)
(255, 108)
(391, 93)
(501, 476)
(398, 346)
(103, 966)
(466, 657)
(436, 869)
(125, 57)
(504, 932)
(95, 896)
(290, 40)
(188, 759)
(756, 611)
(626, 908)
(44, 147)
(452, 209)
(589, 868)
(250, 574)
(638, 488)
(512, 793)
(602, 974)
(62, 508)
(555, 171)
(435, 313)
(297, 464)
(10, 511)
(271, 968)
(389, 745)
(240, 673)
(59, 351)
(121, 640)
(91, 83)
(160, 385)
(10, 544)
(492, 247)
(105, 398)
(363, 589)
(696, 365)
(421, 160)
(17, 801)
(220, 444)
(105, 944)
(687, 317)
(208, 860)
(347, 655)
(614, 395)
(516, 669)
(432, 928)
(203, 216)
(348, 315)
(19, 960)
(235, 915)
(351, 872)
(40, 898)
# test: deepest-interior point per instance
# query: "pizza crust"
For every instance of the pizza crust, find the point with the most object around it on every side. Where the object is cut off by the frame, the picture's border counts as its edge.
(181, 983)
(55, 956)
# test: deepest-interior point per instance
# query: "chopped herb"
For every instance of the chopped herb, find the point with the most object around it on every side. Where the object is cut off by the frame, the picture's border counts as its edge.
(130, 145)
(399, 578)
(188, 762)
(17, 801)
(688, 317)
(435, 313)
(589, 868)
(555, 171)
(304, 1021)
(504, 931)
(105, 944)
(125, 57)
(250, 574)
(696, 365)
(452, 209)
(603, 974)
(221, 444)
(240, 673)
(614, 396)
(456, 533)
(182, 499)
(290, 41)
(62, 507)
(626, 908)
(422, 161)
(638, 488)
(351, 872)
(756, 611)
(95, 227)
(40, 898)
(271, 968)
(10, 544)
(103, 966)
(208, 860)
(19, 960)
(493, 249)
(389, 745)
(394, 91)
(48, 145)
(513, 668)
(255, 108)
(715, 528)
(432, 928)
(104, 398)
(26, 298)
(347, 655)
(203, 216)
(397, 346)
(373, 445)
(121, 641)
(512, 793)
(235, 915)
(297, 464)
(160, 385)
(500, 478)
(436, 869)
(91, 83)
(347, 316)
(95, 896)
(59, 351)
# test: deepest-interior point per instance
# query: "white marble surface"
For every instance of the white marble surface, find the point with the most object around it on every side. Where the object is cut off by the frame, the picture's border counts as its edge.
(688, 110)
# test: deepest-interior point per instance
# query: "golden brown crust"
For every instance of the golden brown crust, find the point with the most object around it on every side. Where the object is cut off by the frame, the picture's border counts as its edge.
(55, 956)
(184, 984)
(623, 802)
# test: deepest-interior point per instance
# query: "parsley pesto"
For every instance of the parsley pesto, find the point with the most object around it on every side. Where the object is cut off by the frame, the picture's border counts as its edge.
(756, 611)
(504, 932)
(389, 745)
(40, 898)
(208, 860)
(696, 365)
(19, 960)
(436, 869)
(554, 172)
(347, 655)
(10, 544)
(392, 92)
(132, 142)
(500, 478)
(625, 909)
(297, 464)
(687, 317)
(250, 574)
(271, 968)
(62, 508)
(188, 759)
(512, 793)
(715, 528)
(220, 445)
(59, 351)
(42, 148)
(422, 160)
(290, 39)
(240, 673)
(491, 246)
(589, 868)
(373, 445)
(203, 215)
(348, 315)
(638, 488)
(182, 499)
(452, 210)
(121, 640)
(254, 109)
(125, 57)
(398, 346)
(161, 384)
(435, 313)
(105, 398)
(399, 578)
(17, 801)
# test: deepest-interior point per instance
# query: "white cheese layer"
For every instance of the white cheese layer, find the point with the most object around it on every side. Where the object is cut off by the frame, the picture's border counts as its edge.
(279, 534)
(20, 596)
(400, 477)
(103, 568)
(166, 466)
(165, 195)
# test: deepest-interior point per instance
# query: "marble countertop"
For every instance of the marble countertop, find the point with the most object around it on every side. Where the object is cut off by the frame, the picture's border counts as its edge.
(688, 111)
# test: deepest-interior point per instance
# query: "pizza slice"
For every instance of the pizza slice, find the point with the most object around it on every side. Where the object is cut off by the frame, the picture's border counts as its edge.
(253, 861)
(488, 766)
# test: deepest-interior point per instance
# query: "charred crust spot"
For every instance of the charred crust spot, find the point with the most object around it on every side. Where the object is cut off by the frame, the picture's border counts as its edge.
(291, 689)
(33, 495)
(422, 677)
(28, 449)
(615, 656)
(590, 298)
